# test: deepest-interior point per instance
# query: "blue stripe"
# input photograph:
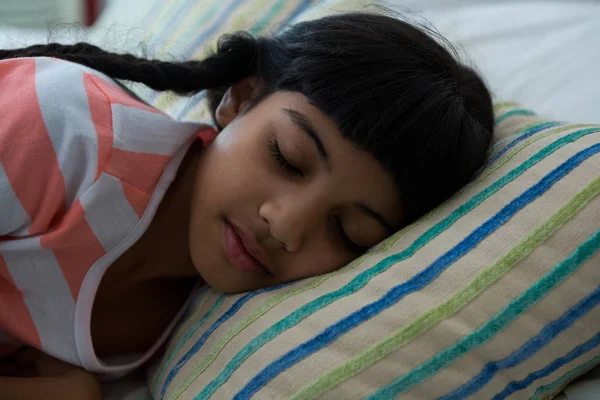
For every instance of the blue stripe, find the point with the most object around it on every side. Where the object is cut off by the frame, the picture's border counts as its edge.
(510, 137)
(532, 346)
(198, 296)
(218, 24)
(417, 282)
(528, 133)
(200, 342)
(498, 144)
(192, 29)
(165, 364)
(364, 277)
(151, 15)
(266, 19)
(578, 351)
(171, 25)
(191, 103)
(553, 387)
(497, 323)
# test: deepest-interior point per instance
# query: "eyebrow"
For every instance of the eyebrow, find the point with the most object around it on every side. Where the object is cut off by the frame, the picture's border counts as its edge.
(303, 123)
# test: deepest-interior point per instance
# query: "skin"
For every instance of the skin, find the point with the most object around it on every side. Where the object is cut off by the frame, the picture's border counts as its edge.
(291, 214)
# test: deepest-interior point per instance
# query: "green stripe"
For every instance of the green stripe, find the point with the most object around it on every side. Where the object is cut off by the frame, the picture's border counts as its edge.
(460, 299)
(159, 21)
(263, 23)
(532, 295)
(180, 333)
(266, 306)
(236, 22)
(385, 245)
(538, 136)
(511, 113)
(503, 104)
(190, 321)
(192, 22)
(165, 364)
(389, 242)
(553, 388)
(307, 309)
(496, 147)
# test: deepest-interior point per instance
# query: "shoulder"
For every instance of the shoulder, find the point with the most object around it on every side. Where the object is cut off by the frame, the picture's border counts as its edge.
(64, 126)
(60, 87)
(51, 95)
(55, 138)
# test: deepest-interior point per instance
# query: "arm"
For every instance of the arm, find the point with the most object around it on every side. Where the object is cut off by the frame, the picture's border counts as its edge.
(35, 375)
(81, 386)
(26, 173)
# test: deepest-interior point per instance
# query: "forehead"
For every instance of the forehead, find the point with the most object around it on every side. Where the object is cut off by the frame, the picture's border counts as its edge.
(355, 174)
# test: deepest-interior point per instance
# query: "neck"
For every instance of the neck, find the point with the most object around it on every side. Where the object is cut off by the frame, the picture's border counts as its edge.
(163, 251)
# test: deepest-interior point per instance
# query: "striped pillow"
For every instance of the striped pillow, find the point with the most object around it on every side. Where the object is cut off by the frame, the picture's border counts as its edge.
(189, 30)
(494, 295)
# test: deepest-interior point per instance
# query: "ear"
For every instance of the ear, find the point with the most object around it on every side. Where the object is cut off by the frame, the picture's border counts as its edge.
(234, 101)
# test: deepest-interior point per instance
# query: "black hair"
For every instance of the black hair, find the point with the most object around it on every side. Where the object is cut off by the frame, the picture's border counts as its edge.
(391, 88)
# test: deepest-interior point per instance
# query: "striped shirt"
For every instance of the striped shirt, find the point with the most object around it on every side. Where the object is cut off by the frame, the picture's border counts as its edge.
(83, 167)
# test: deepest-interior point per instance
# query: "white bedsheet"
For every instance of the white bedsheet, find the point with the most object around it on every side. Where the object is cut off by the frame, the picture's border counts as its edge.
(545, 55)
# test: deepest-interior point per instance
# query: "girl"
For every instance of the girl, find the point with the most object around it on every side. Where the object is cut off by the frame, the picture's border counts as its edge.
(333, 135)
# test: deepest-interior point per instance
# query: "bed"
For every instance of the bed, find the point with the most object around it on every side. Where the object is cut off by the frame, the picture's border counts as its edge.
(542, 54)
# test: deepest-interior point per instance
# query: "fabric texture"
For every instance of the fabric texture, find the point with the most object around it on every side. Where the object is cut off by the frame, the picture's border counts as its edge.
(493, 295)
(182, 29)
(83, 167)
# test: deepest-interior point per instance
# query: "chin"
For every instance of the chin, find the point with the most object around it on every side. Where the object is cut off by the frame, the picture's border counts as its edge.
(222, 278)
(229, 288)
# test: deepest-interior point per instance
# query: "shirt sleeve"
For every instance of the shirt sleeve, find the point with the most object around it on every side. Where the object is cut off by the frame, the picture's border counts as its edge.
(55, 130)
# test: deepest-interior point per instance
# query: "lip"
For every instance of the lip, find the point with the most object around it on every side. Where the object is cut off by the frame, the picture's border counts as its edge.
(243, 250)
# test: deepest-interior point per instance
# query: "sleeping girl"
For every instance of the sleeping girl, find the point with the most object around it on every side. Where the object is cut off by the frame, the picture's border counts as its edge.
(327, 138)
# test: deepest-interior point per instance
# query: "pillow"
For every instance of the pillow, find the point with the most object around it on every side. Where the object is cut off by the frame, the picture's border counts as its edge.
(493, 294)
(525, 50)
(190, 30)
(551, 34)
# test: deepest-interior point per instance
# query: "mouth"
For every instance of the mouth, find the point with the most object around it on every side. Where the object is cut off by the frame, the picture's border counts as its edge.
(243, 251)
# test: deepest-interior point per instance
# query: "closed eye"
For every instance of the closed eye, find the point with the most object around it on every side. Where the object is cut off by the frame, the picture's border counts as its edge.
(349, 244)
(281, 160)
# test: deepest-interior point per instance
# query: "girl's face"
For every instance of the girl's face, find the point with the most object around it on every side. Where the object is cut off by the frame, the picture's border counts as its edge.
(280, 195)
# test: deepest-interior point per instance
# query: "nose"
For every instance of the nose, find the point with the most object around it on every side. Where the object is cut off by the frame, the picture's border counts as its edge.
(292, 218)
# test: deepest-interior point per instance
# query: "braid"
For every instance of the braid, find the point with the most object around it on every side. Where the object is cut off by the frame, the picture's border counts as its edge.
(235, 59)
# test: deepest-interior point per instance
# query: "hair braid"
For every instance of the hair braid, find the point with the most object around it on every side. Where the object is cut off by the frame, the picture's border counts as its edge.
(235, 59)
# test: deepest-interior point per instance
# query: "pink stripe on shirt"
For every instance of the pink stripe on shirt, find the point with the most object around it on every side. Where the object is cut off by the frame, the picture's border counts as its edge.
(75, 247)
(44, 206)
(15, 318)
(102, 118)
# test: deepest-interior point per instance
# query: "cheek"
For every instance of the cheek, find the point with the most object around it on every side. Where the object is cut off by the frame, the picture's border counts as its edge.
(246, 161)
(320, 258)
(235, 175)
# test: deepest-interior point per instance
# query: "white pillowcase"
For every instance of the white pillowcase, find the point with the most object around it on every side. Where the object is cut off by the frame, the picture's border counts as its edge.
(543, 54)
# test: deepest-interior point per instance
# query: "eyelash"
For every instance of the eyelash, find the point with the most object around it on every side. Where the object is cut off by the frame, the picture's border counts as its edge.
(353, 247)
(281, 160)
(289, 167)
